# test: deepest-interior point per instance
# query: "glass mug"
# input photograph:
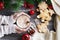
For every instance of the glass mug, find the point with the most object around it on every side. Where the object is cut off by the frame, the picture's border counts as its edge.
(23, 22)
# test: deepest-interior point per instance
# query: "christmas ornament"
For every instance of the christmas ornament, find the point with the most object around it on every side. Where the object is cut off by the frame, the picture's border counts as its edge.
(1, 5)
(25, 37)
(31, 12)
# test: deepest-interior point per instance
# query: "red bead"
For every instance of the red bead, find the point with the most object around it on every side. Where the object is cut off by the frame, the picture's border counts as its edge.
(25, 37)
(32, 12)
(1, 5)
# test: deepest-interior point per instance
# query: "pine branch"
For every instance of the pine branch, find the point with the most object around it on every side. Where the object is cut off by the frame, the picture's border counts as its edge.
(30, 1)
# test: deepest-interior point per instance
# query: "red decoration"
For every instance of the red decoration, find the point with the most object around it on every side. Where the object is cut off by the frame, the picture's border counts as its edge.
(32, 12)
(1, 5)
(31, 32)
(25, 37)
(25, 4)
(30, 6)
(50, 6)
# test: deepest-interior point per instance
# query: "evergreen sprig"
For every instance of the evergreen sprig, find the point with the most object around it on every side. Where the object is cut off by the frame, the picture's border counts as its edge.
(30, 1)
(14, 6)
(38, 1)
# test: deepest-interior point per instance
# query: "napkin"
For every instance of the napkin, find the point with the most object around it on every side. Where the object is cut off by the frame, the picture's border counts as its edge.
(56, 6)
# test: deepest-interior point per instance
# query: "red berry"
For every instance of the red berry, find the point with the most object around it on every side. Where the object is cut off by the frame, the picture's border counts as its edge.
(32, 12)
(25, 37)
(30, 5)
(1, 5)
(25, 4)
(50, 6)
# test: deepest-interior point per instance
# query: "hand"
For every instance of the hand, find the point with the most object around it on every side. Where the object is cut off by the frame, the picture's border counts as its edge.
(18, 30)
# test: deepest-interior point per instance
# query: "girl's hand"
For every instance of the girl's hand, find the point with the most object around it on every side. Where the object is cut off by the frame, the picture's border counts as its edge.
(18, 30)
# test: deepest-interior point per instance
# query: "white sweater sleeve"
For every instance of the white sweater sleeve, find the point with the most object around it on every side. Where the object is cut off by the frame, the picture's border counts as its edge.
(1, 31)
(12, 29)
(11, 25)
(8, 28)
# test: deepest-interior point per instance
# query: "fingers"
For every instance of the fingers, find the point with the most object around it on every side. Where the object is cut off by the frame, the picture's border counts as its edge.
(18, 30)
(15, 16)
